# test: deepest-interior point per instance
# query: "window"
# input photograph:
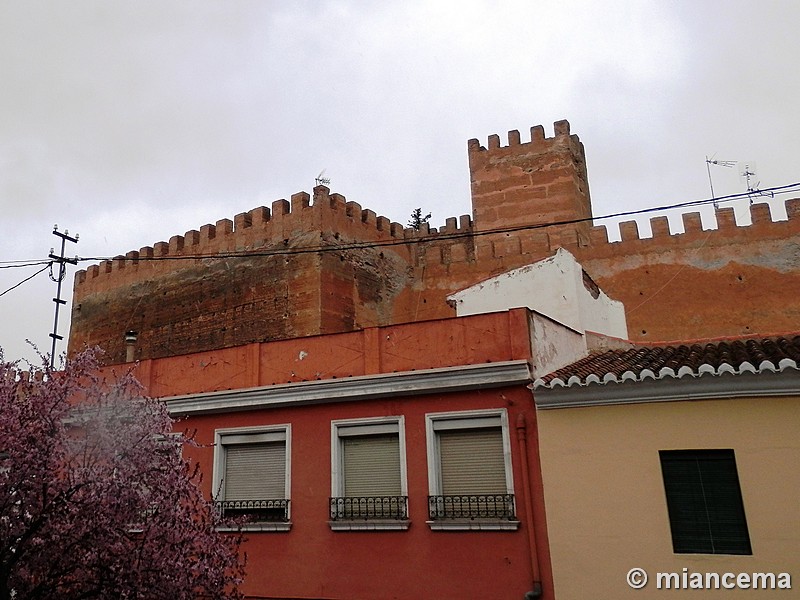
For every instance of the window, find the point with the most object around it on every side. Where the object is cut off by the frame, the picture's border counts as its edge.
(368, 483)
(469, 471)
(704, 502)
(251, 475)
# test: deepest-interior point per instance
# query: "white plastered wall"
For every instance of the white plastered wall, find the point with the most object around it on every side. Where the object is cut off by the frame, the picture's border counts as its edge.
(553, 287)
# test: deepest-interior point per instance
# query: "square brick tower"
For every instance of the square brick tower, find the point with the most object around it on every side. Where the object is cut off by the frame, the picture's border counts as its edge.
(522, 185)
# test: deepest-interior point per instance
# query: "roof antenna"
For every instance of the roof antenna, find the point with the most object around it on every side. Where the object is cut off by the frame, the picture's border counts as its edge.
(320, 180)
(722, 163)
(747, 171)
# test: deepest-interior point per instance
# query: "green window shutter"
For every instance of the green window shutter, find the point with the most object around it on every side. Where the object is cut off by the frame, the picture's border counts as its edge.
(704, 502)
(371, 465)
(472, 461)
(255, 471)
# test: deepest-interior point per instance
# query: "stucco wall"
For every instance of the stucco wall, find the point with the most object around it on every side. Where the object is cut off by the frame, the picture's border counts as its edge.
(312, 561)
(604, 493)
(556, 287)
(476, 339)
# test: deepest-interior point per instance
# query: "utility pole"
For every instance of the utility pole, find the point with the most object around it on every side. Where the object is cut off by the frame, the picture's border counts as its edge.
(59, 278)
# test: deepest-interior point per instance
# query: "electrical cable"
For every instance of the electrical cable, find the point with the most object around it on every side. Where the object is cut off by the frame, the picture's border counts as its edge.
(42, 270)
(16, 264)
(439, 237)
(444, 236)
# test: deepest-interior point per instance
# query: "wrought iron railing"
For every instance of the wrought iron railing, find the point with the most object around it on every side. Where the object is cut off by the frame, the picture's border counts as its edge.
(472, 506)
(255, 510)
(369, 507)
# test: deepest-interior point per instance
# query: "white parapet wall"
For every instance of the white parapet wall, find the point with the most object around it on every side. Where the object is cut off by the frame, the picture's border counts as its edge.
(556, 287)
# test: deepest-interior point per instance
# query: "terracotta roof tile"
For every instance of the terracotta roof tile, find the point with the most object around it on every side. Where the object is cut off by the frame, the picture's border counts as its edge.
(644, 362)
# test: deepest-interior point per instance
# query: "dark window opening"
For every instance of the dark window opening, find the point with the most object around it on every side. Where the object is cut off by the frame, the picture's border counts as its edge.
(704, 502)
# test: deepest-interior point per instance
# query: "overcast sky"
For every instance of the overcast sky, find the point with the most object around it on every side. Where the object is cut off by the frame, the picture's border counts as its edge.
(129, 122)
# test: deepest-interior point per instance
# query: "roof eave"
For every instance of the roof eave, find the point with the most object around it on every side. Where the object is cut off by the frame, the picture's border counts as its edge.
(702, 387)
(365, 387)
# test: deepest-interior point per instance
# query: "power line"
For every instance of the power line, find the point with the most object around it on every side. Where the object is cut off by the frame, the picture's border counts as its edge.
(16, 264)
(785, 189)
(442, 236)
(42, 270)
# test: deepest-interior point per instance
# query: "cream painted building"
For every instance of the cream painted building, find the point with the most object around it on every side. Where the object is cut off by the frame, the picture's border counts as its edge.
(681, 461)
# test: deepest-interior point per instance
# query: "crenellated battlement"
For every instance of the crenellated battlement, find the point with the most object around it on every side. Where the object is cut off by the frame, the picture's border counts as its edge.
(506, 250)
(188, 293)
(24, 376)
(287, 224)
(725, 225)
(284, 224)
(538, 142)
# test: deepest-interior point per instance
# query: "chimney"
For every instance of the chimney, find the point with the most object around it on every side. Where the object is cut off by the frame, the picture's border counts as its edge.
(130, 345)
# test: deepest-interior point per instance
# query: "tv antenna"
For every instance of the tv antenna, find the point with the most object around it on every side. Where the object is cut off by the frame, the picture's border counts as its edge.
(746, 174)
(321, 179)
(58, 277)
(747, 171)
(729, 164)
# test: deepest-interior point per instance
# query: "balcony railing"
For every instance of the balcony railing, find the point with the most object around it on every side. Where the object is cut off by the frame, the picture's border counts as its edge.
(472, 506)
(369, 507)
(255, 511)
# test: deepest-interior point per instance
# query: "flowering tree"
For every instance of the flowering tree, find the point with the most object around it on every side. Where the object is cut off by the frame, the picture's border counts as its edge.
(96, 500)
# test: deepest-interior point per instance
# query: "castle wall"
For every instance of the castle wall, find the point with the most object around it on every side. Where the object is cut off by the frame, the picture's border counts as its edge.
(732, 280)
(325, 265)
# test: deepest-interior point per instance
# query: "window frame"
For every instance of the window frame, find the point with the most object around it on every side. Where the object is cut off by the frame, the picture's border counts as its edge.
(365, 426)
(237, 436)
(680, 523)
(466, 420)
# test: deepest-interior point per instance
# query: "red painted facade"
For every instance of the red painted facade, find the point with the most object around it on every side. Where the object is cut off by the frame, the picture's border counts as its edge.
(313, 561)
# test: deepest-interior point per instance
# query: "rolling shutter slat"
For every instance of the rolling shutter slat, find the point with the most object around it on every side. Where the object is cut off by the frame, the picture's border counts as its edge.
(472, 461)
(371, 465)
(255, 471)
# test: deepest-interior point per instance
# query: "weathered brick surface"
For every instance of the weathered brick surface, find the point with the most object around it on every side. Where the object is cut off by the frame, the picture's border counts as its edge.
(303, 275)
(211, 303)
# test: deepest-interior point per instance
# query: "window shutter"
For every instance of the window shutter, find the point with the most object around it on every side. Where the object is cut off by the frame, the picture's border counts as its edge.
(255, 471)
(371, 465)
(704, 502)
(472, 461)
